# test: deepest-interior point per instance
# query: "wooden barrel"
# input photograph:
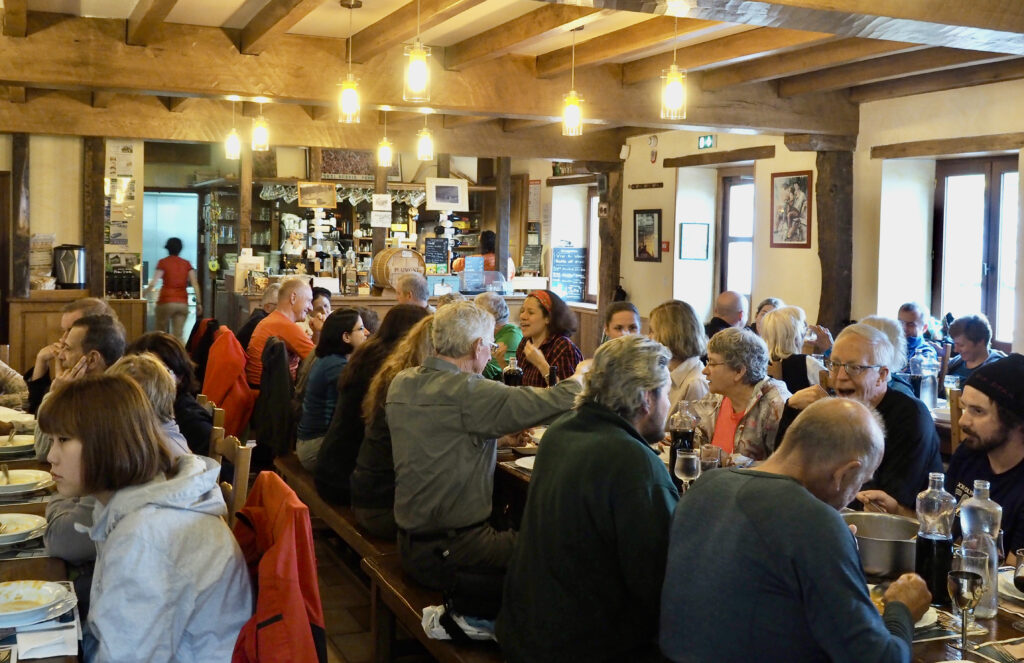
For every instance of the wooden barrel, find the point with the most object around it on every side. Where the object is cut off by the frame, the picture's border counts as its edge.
(390, 264)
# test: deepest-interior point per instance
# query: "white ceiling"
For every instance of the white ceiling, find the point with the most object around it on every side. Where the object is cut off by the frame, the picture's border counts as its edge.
(332, 20)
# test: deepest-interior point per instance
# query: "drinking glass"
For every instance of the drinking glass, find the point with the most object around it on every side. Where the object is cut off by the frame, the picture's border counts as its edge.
(687, 467)
(1018, 582)
(950, 382)
(710, 457)
(966, 584)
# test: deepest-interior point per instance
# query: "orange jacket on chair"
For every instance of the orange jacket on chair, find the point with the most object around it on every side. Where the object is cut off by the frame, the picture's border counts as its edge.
(225, 382)
(276, 538)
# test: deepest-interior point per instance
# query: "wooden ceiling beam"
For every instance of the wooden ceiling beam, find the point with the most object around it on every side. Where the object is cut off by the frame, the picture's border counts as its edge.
(760, 42)
(276, 18)
(723, 157)
(511, 125)
(16, 94)
(456, 121)
(500, 40)
(617, 44)
(144, 117)
(15, 18)
(942, 147)
(880, 69)
(87, 54)
(102, 99)
(400, 26)
(841, 51)
(820, 143)
(145, 18)
(177, 104)
(952, 79)
(317, 113)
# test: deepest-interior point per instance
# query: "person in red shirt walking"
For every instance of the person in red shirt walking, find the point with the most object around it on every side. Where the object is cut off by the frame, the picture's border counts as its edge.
(177, 274)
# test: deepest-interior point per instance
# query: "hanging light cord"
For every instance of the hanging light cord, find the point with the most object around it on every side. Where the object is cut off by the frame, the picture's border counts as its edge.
(385, 124)
(232, 116)
(572, 67)
(417, 20)
(350, 35)
(675, 44)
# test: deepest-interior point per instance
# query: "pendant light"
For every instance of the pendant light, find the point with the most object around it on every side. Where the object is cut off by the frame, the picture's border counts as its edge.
(417, 73)
(260, 133)
(425, 143)
(572, 114)
(384, 147)
(673, 87)
(348, 97)
(233, 143)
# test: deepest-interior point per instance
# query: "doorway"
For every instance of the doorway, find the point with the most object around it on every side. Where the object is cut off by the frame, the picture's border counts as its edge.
(167, 214)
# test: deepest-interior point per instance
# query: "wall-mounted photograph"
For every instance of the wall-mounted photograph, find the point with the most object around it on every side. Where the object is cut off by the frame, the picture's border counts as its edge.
(647, 235)
(447, 194)
(791, 210)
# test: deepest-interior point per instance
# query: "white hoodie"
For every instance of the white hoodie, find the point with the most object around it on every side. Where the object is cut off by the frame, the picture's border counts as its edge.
(170, 582)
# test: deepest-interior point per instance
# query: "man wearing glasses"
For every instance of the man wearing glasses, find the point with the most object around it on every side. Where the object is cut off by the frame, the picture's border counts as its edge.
(858, 369)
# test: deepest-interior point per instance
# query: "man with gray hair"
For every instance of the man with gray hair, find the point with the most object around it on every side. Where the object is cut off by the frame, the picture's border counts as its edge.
(585, 578)
(859, 369)
(268, 302)
(762, 557)
(412, 288)
(444, 418)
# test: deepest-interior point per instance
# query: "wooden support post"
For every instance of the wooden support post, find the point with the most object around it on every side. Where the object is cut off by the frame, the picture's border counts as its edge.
(444, 165)
(314, 164)
(834, 193)
(6, 257)
(94, 154)
(609, 230)
(245, 197)
(20, 240)
(504, 212)
(380, 185)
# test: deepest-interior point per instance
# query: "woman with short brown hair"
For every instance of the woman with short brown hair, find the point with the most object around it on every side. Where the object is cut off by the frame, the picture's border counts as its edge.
(170, 582)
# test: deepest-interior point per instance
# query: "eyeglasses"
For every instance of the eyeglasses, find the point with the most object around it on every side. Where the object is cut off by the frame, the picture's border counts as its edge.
(853, 370)
(494, 347)
(716, 363)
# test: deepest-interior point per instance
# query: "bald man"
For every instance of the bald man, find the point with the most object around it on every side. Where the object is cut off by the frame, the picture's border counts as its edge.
(294, 303)
(777, 558)
(730, 311)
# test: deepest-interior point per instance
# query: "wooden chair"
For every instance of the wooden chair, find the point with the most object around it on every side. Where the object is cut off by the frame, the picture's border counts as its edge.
(202, 399)
(955, 410)
(218, 417)
(5, 354)
(240, 457)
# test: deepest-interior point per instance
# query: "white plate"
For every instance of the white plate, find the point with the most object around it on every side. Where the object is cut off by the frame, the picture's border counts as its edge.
(28, 601)
(21, 527)
(528, 450)
(941, 415)
(9, 415)
(26, 481)
(1006, 588)
(928, 618)
(19, 444)
(537, 432)
(526, 462)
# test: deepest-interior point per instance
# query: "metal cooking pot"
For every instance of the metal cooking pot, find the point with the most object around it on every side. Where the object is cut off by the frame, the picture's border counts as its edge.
(887, 543)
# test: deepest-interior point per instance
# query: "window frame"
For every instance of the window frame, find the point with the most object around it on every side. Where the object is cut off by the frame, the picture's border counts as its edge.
(728, 179)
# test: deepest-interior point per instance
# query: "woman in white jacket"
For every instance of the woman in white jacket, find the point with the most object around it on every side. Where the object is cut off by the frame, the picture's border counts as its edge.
(170, 583)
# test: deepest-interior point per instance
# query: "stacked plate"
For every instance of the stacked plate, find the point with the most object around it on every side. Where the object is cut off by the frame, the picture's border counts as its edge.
(526, 462)
(25, 481)
(20, 527)
(17, 445)
(1006, 587)
(25, 602)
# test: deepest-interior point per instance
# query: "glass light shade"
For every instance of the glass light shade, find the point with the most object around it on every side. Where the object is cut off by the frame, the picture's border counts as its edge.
(384, 153)
(572, 115)
(417, 74)
(348, 101)
(425, 145)
(260, 135)
(232, 146)
(106, 187)
(673, 94)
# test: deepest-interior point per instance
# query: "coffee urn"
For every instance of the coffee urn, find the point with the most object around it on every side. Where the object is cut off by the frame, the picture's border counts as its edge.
(69, 266)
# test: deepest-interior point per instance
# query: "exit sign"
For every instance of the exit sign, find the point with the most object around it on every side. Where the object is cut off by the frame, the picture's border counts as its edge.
(704, 142)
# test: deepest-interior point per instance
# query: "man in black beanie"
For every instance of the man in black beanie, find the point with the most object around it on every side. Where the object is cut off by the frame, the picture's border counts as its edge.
(992, 449)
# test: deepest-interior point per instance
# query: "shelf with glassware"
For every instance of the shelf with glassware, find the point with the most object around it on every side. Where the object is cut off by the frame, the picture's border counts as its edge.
(220, 226)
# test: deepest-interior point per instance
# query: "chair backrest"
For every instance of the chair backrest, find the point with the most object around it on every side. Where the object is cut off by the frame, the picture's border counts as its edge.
(5, 354)
(945, 351)
(240, 457)
(202, 399)
(955, 410)
(218, 416)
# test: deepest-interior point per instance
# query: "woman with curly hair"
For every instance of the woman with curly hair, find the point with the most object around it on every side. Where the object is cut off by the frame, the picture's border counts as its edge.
(546, 323)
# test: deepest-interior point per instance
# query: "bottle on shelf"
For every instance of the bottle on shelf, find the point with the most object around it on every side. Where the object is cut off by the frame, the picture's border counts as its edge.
(979, 519)
(935, 511)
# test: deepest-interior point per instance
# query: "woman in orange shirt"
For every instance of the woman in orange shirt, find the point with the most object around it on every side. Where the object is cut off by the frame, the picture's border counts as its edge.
(487, 239)
(177, 274)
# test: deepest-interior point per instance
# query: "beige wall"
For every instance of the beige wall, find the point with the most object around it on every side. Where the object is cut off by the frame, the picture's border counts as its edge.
(55, 187)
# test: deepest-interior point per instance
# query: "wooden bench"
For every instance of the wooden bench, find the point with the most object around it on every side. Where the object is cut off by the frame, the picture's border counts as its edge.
(338, 518)
(393, 599)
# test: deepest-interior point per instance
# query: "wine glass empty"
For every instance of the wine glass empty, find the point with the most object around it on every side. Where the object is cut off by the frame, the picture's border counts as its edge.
(687, 467)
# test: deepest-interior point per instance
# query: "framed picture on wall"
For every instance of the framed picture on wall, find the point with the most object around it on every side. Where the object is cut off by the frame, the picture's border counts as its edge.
(791, 210)
(647, 235)
(447, 194)
(693, 241)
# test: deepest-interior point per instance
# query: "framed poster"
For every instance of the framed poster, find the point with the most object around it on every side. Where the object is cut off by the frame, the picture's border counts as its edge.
(791, 210)
(447, 193)
(344, 164)
(317, 194)
(693, 241)
(647, 235)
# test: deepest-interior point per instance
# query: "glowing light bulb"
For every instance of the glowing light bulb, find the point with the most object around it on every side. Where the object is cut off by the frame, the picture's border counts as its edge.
(348, 101)
(572, 115)
(673, 94)
(232, 146)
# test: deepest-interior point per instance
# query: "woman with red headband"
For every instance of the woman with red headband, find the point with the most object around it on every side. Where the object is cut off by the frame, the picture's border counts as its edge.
(546, 322)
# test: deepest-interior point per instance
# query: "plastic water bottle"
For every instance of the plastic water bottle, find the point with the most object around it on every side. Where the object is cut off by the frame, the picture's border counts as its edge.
(979, 519)
(935, 510)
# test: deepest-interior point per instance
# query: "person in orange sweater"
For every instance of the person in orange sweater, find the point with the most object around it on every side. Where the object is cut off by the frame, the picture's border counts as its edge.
(294, 302)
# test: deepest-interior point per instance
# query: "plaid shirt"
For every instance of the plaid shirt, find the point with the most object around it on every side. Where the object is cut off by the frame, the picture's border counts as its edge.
(558, 351)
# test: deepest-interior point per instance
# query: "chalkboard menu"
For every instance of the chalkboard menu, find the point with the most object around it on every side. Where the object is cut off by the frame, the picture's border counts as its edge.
(531, 258)
(568, 273)
(435, 252)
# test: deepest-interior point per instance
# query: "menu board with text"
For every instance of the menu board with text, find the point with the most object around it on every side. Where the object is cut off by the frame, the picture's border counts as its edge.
(569, 273)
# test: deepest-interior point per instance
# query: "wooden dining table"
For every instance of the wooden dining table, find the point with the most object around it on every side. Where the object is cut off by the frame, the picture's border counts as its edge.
(37, 568)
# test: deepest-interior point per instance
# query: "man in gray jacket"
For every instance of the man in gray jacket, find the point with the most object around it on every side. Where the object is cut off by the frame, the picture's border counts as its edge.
(444, 418)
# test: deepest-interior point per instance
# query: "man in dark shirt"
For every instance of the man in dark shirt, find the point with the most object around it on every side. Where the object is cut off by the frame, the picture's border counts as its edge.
(761, 566)
(585, 578)
(730, 311)
(859, 370)
(992, 449)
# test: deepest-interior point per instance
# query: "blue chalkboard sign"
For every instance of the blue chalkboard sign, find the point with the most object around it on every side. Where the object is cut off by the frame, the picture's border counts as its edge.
(569, 273)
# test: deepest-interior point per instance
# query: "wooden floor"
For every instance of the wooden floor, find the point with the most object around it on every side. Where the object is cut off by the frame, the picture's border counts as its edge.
(346, 605)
